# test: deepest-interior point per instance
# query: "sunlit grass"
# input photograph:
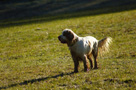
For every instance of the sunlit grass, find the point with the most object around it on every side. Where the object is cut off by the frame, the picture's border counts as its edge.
(32, 52)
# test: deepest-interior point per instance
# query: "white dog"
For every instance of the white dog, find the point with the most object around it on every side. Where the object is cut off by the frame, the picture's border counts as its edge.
(83, 48)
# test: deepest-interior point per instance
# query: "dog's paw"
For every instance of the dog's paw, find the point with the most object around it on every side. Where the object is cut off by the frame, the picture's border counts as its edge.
(86, 70)
(75, 71)
(95, 67)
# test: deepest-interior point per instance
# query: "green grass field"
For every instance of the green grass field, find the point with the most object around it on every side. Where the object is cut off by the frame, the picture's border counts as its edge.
(32, 58)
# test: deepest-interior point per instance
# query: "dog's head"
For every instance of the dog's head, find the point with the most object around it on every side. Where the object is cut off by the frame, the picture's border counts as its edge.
(68, 36)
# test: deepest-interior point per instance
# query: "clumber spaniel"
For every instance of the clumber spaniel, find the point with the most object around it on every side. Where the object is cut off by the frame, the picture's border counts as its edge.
(83, 48)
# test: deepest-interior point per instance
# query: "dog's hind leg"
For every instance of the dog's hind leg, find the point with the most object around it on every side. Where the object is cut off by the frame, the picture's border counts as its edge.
(95, 55)
(86, 64)
(90, 60)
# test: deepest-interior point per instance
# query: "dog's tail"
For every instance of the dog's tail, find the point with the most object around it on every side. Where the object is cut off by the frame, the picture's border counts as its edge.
(104, 45)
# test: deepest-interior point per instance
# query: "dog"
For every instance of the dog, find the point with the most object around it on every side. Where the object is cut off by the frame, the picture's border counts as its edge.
(83, 48)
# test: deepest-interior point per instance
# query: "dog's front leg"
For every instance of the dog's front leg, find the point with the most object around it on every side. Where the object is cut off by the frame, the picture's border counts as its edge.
(86, 64)
(76, 66)
(76, 62)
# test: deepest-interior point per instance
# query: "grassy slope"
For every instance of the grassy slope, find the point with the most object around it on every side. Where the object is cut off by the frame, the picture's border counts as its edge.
(31, 57)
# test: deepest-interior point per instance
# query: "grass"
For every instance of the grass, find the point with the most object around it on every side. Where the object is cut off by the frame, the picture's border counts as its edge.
(31, 57)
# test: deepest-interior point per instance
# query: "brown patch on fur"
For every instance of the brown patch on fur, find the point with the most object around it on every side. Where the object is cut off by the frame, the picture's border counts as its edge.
(69, 35)
(102, 42)
(71, 39)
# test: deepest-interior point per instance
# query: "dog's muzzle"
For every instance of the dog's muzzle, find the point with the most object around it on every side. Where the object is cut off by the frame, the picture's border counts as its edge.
(60, 39)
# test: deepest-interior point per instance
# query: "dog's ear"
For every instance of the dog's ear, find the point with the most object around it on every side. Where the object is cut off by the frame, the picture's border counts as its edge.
(69, 35)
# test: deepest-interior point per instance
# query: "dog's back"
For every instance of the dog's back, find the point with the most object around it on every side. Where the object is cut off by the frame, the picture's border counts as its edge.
(84, 45)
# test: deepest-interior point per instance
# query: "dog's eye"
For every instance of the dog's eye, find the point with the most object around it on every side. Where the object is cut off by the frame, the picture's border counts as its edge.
(66, 33)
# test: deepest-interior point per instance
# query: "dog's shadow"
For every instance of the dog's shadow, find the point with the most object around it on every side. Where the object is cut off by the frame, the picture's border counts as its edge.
(36, 80)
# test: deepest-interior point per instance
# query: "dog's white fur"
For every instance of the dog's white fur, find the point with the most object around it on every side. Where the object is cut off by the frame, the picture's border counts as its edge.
(83, 48)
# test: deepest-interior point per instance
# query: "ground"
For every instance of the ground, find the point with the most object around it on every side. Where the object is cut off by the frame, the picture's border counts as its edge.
(31, 56)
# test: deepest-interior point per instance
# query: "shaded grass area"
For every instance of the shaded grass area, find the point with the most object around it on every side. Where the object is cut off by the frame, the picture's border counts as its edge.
(28, 8)
(31, 57)
(67, 9)
(36, 80)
